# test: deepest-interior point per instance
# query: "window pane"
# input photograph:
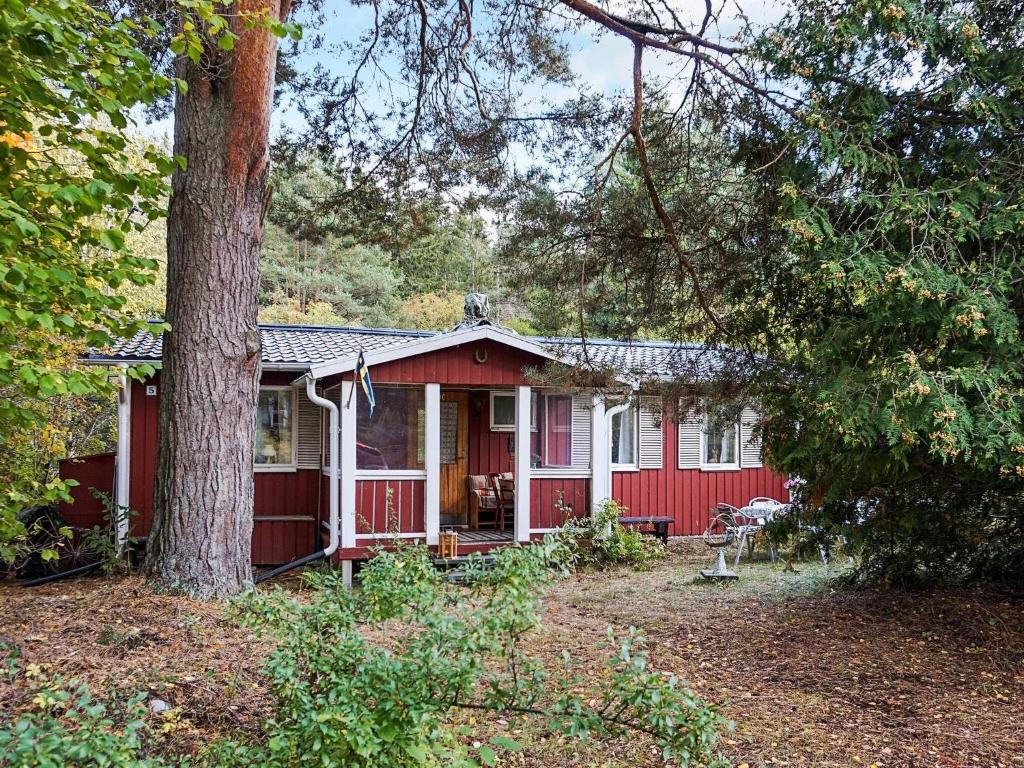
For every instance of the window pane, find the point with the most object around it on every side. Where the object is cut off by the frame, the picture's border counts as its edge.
(558, 430)
(274, 427)
(504, 410)
(393, 438)
(623, 437)
(720, 443)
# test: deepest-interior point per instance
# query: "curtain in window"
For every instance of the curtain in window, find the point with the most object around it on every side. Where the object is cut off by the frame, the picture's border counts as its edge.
(558, 430)
(624, 437)
(720, 444)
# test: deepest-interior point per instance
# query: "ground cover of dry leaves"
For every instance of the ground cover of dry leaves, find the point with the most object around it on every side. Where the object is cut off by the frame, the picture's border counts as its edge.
(810, 675)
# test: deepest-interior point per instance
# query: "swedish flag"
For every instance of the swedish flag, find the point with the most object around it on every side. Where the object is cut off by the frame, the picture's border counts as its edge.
(363, 374)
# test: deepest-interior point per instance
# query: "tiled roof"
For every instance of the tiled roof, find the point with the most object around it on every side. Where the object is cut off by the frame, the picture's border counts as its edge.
(300, 346)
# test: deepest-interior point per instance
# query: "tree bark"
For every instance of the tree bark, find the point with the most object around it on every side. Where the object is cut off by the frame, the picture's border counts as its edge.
(200, 541)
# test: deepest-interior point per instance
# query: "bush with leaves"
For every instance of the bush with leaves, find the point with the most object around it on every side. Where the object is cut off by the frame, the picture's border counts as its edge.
(377, 676)
(71, 189)
(68, 726)
(602, 541)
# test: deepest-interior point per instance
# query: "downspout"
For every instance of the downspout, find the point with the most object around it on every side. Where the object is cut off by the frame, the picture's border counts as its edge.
(335, 476)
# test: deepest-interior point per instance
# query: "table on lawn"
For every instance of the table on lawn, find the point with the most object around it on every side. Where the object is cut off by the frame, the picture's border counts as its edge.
(658, 523)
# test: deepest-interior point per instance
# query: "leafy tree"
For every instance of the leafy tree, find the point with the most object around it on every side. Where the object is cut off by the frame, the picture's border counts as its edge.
(357, 282)
(859, 257)
(71, 192)
(899, 293)
(431, 311)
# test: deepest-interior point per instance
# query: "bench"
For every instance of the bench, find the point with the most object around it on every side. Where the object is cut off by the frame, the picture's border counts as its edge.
(659, 525)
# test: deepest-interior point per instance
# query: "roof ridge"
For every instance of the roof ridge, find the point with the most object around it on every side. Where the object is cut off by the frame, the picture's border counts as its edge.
(659, 343)
(346, 329)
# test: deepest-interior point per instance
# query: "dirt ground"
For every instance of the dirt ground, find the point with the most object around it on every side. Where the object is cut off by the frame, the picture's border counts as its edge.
(810, 676)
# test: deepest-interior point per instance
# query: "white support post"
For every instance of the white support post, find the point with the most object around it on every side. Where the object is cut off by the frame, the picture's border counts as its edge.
(124, 455)
(432, 460)
(522, 502)
(347, 502)
(600, 455)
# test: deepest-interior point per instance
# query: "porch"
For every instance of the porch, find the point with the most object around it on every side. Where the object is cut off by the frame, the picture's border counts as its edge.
(435, 457)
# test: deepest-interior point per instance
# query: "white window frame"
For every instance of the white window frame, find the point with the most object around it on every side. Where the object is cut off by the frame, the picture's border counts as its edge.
(512, 427)
(635, 465)
(294, 465)
(544, 437)
(396, 474)
(721, 466)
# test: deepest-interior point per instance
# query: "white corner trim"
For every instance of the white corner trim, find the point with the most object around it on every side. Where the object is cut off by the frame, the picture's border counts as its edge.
(347, 491)
(432, 460)
(122, 471)
(521, 515)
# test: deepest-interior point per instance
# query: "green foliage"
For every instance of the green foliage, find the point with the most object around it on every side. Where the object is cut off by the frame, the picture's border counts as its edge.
(601, 541)
(331, 282)
(380, 676)
(73, 728)
(103, 540)
(376, 676)
(69, 195)
(897, 300)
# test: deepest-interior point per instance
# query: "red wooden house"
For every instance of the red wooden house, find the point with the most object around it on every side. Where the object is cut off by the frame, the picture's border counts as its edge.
(450, 406)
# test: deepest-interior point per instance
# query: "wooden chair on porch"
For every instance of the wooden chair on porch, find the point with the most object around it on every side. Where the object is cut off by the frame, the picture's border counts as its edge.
(491, 501)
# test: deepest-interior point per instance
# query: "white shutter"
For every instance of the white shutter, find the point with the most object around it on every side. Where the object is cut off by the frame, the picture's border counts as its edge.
(309, 423)
(690, 426)
(651, 439)
(750, 446)
(581, 418)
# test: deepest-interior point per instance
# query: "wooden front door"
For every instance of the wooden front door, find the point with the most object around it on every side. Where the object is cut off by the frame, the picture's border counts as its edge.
(454, 457)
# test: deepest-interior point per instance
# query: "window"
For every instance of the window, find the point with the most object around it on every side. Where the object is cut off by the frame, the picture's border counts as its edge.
(557, 431)
(623, 426)
(393, 438)
(275, 428)
(720, 442)
(503, 411)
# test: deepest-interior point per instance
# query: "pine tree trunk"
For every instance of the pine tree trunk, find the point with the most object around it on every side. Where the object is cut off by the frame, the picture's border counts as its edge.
(200, 541)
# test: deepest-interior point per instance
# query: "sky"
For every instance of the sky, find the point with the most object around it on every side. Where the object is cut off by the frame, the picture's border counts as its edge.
(602, 61)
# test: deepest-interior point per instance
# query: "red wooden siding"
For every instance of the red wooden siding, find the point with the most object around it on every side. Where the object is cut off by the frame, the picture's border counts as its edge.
(689, 494)
(545, 493)
(405, 514)
(142, 468)
(488, 451)
(286, 504)
(458, 366)
(90, 472)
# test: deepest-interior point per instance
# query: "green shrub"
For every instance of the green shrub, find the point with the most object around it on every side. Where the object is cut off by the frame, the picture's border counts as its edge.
(380, 675)
(377, 676)
(602, 541)
(71, 728)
